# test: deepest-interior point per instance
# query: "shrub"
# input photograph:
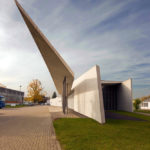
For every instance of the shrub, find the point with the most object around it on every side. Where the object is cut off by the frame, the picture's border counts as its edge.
(136, 103)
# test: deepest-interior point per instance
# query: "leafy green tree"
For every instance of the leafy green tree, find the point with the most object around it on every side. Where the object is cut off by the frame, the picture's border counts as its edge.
(54, 95)
(136, 103)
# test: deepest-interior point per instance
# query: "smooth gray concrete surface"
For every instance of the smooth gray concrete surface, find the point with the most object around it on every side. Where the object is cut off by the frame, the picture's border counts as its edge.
(56, 65)
(87, 97)
(125, 96)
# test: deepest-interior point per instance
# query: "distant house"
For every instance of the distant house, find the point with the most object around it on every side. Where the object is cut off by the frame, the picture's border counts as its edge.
(145, 104)
(11, 96)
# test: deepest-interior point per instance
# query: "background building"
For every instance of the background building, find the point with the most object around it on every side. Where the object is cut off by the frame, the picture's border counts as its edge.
(56, 101)
(145, 104)
(11, 96)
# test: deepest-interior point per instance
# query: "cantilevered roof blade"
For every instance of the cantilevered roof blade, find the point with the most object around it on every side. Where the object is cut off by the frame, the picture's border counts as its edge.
(55, 63)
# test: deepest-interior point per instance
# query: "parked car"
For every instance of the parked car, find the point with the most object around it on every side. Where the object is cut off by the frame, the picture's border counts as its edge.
(2, 102)
(28, 103)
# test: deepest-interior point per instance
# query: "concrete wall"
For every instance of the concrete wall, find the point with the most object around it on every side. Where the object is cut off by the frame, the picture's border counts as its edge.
(71, 101)
(125, 96)
(87, 98)
(56, 101)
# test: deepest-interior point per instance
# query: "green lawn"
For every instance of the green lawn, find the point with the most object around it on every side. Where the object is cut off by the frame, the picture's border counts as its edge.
(143, 111)
(87, 134)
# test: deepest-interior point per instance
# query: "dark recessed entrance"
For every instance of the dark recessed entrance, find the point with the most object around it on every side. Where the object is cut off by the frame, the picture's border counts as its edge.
(110, 97)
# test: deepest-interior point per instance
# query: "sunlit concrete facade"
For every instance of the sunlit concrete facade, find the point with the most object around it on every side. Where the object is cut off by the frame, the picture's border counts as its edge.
(86, 97)
(87, 94)
(92, 96)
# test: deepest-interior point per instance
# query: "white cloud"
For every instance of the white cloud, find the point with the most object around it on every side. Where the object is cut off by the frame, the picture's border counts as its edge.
(72, 31)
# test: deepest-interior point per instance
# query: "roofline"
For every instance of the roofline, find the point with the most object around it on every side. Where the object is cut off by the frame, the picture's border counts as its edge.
(110, 82)
(11, 89)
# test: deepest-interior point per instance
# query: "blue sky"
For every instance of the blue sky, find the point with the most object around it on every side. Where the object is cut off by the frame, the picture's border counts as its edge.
(114, 34)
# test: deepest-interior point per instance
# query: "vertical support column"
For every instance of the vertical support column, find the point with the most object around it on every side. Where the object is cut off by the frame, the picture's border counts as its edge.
(65, 96)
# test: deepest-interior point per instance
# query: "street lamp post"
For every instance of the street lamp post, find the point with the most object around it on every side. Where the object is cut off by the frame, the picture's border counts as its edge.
(21, 94)
(20, 87)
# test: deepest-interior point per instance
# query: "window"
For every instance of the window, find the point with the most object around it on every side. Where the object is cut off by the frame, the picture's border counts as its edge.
(144, 104)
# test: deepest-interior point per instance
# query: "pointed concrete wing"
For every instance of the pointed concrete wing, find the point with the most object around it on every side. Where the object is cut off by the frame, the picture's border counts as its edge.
(55, 63)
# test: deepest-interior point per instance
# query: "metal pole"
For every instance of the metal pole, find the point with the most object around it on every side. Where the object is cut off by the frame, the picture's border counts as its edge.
(20, 87)
(64, 96)
(21, 94)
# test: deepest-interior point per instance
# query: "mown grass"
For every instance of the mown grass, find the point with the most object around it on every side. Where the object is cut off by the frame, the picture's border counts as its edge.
(143, 111)
(87, 134)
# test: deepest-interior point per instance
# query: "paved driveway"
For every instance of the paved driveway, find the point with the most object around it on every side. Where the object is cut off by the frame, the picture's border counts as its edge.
(28, 128)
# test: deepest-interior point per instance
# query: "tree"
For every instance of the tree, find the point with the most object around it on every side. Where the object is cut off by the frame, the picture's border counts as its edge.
(145, 98)
(35, 91)
(54, 95)
(136, 103)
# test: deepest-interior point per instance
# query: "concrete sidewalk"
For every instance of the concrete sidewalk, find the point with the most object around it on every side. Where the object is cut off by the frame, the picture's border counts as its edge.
(115, 115)
(27, 128)
(56, 113)
(146, 114)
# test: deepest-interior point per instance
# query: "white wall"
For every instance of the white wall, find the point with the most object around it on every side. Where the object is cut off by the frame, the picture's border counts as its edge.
(71, 101)
(142, 105)
(87, 98)
(56, 101)
(125, 96)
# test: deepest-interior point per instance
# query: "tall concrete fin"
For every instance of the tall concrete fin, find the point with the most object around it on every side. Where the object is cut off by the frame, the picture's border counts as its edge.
(125, 96)
(87, 98)
(55, 63)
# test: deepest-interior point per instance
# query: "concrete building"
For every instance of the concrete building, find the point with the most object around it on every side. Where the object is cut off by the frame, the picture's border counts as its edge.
(11, 96)
(92, 96)
(117, 95)
(88, 94)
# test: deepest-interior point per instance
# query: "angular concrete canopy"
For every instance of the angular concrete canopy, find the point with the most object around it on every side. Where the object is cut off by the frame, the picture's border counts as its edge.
(55, 63)
(110, 82)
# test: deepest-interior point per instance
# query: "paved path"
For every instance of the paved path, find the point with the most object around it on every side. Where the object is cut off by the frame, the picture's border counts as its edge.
(113, 115)
(146, 114)
(28, 128)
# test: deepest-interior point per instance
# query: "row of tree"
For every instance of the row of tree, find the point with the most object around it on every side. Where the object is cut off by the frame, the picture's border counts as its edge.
(36, 92)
